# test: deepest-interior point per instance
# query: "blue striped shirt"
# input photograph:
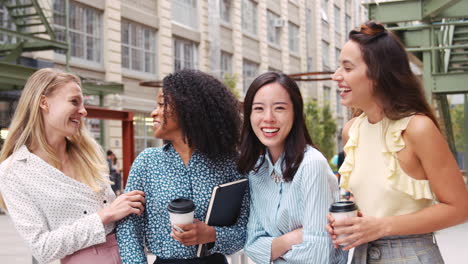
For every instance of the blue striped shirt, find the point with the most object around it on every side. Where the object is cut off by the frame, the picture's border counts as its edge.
(162, 175)
(278, 208)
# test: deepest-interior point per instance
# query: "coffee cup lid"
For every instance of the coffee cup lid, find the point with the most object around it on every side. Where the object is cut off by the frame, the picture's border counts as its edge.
(343, 206)
(181, 206)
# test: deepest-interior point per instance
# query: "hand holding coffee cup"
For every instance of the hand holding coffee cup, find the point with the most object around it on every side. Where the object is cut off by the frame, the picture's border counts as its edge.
(181, 212)
(342, 210)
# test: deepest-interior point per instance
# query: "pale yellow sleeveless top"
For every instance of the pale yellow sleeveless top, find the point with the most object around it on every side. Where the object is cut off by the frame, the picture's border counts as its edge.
(372, 173)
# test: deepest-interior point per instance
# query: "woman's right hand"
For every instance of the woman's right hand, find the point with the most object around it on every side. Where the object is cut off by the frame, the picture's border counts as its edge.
(128, 203)
(282, 244)
(330, 229)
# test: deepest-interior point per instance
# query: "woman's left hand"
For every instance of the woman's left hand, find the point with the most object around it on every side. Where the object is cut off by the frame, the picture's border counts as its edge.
(360, 230)
(194, 234)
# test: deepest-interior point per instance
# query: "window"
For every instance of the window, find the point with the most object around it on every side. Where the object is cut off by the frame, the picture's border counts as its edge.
(325, 55)
(309, 21)
(143, 125)
(226, 63)
(338, 103)
(5, 22)
(274, 28)
(85, 30)
(326, 95)
(225, 10)
(324, 10)
(348, 25)
(293, 38)
(337, 57)
(185, 54)
(249, 72)
(185, 12)
(325, 30)
(347, 5)
(337, 19)
(310, 66)
(138, 47)
(249, 17)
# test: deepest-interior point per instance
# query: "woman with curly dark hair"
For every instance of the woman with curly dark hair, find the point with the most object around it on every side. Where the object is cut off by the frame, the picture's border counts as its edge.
(199, 120)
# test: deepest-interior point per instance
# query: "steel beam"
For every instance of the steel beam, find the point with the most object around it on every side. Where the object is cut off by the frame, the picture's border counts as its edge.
(416, 10)
(449, 83)
(432, 8)
(390, 12)
(465, 138)
(444, 110)
(12, 74)
(455, 11)
(106, 88)
(52, 43)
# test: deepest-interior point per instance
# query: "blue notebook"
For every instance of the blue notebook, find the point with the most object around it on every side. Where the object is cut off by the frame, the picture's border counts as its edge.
(224, 208)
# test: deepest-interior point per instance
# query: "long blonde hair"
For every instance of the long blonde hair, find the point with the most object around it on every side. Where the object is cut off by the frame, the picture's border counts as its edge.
(27, 128)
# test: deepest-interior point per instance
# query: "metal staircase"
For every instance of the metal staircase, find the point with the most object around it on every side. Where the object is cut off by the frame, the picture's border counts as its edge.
(436, 32)
(31, 31)
(458, 59)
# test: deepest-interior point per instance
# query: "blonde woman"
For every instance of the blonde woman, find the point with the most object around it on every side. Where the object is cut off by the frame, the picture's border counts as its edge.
(54, 176)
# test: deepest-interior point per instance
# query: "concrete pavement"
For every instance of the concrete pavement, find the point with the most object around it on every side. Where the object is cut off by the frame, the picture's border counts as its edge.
(13, 249)
(453, 243)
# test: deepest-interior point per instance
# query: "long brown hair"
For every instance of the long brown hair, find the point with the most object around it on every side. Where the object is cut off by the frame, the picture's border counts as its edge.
(251, 148)
(399, 90)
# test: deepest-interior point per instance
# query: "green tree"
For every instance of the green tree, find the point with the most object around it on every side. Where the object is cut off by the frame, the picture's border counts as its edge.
(230, 80)
(322, 127)
(457, 114)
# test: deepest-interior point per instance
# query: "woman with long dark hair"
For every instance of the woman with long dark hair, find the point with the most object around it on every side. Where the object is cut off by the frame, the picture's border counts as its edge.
(291, 184)
(398, 166)
(199, 120)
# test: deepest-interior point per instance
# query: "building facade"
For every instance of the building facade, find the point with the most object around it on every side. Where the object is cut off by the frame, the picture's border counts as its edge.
(130, 41)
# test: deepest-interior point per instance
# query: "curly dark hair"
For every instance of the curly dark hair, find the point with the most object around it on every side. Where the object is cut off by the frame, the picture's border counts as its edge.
(207, 112)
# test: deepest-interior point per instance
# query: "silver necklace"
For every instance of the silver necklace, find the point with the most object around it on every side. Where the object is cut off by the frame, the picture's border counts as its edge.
(276, 178)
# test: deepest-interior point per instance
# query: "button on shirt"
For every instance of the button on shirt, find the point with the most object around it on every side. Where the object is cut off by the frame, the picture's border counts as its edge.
(54, 213)
(281, 207)
(162, 175)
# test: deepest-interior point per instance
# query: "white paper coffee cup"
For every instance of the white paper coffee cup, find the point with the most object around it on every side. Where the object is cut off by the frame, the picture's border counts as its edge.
(181, 211)
(342, 210)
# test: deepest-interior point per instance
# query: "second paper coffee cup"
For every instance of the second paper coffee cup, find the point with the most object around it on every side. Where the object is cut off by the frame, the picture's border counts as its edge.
(181, 211)
(342, 210)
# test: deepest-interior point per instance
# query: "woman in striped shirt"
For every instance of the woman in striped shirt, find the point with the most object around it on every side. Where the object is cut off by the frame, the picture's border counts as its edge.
(291, 184)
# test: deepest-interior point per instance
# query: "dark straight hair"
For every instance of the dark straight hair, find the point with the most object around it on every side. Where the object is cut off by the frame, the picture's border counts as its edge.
(397, 88)
(298, 138)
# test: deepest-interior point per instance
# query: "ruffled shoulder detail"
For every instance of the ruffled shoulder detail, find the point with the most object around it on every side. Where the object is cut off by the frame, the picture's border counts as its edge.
(348, 163)
(399, 180)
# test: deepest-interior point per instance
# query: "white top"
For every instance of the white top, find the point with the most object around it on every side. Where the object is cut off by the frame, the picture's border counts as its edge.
(372, 171)
(54, 213)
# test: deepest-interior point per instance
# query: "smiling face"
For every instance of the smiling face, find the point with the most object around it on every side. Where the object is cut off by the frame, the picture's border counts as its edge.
(63, 111)
(272, 117)
(165, 125)
(356, 88)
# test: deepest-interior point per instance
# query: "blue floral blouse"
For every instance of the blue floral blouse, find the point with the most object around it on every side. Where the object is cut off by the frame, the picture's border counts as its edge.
(162, 175)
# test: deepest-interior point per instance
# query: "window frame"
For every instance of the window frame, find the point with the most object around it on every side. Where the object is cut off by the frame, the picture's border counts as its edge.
(185, 43)
(250, 24)
(142, 40)
(95, 23)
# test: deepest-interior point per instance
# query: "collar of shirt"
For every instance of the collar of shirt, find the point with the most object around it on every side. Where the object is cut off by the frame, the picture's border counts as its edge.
(171, 153)
(21, 154)
(277, 167)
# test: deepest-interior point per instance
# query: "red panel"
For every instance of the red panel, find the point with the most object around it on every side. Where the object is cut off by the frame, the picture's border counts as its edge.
(128, 139)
